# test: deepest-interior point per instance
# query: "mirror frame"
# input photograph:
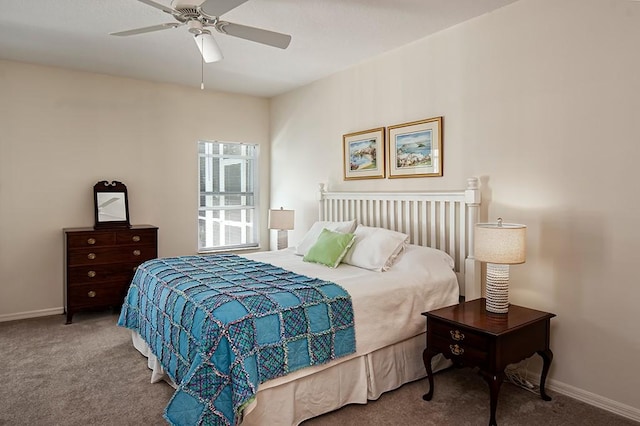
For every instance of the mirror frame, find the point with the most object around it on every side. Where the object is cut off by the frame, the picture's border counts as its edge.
(111, 188)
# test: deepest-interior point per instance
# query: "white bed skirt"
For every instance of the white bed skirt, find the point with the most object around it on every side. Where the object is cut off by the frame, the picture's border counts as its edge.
(290, 400)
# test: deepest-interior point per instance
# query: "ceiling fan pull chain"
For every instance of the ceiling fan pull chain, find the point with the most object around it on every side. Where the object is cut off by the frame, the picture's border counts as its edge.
(202, 65)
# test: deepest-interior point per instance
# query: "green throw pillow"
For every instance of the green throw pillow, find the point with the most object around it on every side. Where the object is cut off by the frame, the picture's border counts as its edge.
(329, 248)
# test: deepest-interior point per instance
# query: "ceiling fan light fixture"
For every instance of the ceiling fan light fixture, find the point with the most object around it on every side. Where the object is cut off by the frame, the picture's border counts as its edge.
(208, 47)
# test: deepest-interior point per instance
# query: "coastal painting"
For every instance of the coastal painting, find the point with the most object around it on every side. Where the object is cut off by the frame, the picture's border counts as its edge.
(364, 154)
(415, 148)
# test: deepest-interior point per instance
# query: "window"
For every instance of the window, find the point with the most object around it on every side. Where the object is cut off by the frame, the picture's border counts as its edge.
(228, 201)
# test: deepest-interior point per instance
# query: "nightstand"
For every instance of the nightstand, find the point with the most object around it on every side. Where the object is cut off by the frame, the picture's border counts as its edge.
(472, 337)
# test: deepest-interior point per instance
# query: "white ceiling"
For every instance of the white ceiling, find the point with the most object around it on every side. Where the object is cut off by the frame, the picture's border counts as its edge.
(328, 36)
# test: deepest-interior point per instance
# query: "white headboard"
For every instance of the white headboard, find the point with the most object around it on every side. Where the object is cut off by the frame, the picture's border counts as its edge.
(440, 219)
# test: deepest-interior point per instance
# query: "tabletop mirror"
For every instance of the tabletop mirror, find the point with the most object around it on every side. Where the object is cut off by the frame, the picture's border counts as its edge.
(111, 205)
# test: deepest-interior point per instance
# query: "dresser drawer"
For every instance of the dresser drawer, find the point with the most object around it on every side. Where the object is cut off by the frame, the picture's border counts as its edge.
(136, 236)
(91, 239)
(96, 295)
(88, 274)
(456, 334)
(102, 255)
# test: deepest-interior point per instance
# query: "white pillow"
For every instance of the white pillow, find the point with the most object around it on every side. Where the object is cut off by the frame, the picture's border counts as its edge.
(375, 248)
(418, 259)
(313, 233)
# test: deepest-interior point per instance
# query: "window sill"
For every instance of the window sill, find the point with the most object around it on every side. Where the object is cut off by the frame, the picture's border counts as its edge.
(234, 250)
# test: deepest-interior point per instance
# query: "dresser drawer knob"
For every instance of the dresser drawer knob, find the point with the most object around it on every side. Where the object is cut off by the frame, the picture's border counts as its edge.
(135, 268)
(136, 252)
(91, 241)
(91, 293)
(456, 350)
(456, 335)
(135, 238)
(91, 274)
(91, 256)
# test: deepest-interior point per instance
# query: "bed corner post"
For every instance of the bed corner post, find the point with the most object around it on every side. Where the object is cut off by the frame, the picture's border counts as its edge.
(472, 280)
(321, 212)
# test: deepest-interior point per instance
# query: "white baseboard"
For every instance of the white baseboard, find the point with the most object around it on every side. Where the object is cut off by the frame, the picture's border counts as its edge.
(589, 398)
(595, 400)
(31, 314)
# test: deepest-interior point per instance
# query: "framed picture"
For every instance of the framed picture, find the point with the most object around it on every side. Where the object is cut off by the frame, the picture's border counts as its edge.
(415, 149)
(364, 154)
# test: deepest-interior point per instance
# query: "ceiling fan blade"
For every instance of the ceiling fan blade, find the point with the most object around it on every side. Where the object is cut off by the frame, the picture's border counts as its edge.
(147, 29)
(254, 34)
(218, 7)
(162, 7)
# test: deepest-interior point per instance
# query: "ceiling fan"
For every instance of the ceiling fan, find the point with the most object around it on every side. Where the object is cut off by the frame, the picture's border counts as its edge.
(200, 15)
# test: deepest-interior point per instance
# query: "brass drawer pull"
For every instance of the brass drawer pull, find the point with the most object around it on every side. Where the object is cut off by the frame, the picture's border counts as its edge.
(135, 268)
(456, 350)
(91, 274)
(456, 335)
(91, 256)
(91, 294)
(136, 252)
(135, 238)
(91, 241)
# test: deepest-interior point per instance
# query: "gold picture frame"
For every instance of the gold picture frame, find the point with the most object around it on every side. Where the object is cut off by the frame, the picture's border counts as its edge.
(414, 149)
(363, 154)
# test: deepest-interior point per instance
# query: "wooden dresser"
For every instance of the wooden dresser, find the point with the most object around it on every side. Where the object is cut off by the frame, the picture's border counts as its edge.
(99, 264)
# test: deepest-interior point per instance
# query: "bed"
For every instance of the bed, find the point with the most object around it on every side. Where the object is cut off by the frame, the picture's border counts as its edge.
(434, 268)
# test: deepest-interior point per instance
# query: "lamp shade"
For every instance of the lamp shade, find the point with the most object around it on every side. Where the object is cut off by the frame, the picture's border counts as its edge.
(208, 47)
(281, 219)
(500, 243)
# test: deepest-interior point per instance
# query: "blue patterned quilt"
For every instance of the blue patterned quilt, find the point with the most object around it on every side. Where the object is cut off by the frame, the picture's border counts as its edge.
(222, 324)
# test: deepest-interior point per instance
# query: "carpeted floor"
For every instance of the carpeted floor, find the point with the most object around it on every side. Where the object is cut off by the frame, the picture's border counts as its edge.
(88, 373)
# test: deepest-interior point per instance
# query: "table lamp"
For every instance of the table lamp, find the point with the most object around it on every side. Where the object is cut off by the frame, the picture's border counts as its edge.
(500, 245)
(282, 220)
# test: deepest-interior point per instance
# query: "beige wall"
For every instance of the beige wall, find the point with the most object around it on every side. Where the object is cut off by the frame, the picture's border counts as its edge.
(541, 99)
(62, 131)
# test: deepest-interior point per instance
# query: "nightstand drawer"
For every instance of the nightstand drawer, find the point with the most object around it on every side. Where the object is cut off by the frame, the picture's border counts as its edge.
(458, 351)
(455, 334)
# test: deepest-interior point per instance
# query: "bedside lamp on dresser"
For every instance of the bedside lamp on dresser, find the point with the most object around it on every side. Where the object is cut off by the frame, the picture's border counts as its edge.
(100, 261)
